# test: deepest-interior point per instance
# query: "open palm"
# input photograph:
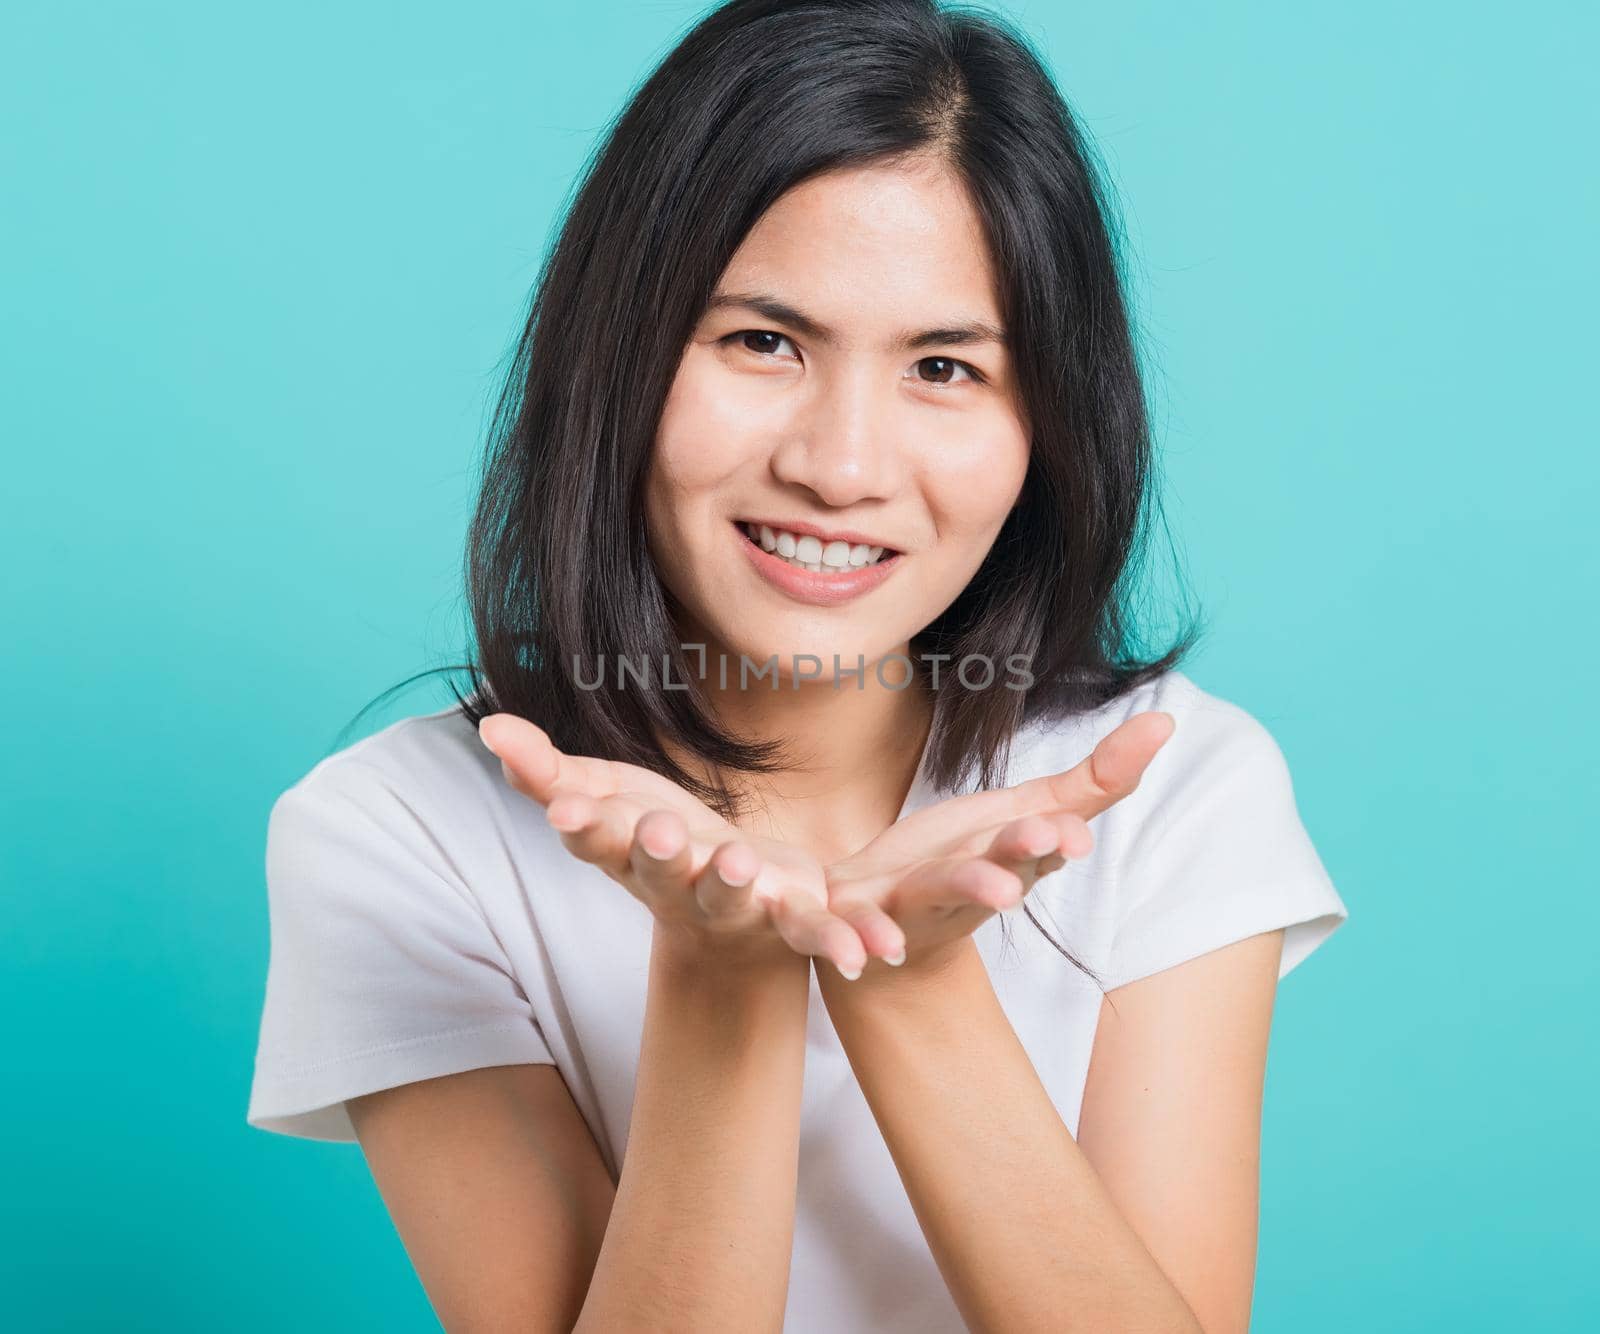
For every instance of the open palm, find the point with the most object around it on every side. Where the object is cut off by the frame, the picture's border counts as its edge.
(926, 882)
(702, 877)
(932, 878)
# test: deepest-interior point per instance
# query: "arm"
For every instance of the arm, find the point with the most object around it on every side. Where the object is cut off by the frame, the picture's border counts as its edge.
(504, 1205)
(1147, 1220)
(703, 1226)
(497, 1189)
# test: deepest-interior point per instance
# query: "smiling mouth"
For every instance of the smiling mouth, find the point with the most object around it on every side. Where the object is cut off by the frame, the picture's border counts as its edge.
(805, 552)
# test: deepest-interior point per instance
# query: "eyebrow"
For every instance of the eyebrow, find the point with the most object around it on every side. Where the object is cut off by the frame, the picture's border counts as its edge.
(965, 334)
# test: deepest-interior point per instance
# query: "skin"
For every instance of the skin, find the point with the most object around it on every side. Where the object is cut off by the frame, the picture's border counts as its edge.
(1147, 1218)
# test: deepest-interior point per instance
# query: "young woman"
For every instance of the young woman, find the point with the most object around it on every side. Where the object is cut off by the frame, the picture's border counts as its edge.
(799, 584)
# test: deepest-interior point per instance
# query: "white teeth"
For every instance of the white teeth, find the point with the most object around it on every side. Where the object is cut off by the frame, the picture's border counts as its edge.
(809, 553)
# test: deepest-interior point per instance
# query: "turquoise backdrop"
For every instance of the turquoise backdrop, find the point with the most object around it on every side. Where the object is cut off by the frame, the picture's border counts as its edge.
(260, 266)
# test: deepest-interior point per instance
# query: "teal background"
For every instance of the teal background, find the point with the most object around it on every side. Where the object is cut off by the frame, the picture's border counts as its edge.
(260, 266)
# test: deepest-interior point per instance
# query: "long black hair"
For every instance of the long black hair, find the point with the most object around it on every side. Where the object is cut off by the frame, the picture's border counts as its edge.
(757, 97)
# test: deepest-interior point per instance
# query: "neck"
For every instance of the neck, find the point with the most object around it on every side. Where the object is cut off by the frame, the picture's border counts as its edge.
(855, 750)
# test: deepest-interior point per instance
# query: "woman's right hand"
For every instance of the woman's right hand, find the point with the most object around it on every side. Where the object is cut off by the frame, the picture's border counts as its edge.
(718, 890)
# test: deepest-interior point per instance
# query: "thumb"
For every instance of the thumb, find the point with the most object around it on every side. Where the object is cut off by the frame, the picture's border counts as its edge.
(525, 750)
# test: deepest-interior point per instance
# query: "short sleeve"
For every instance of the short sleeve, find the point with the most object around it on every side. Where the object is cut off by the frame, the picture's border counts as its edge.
(383, 969)
(1221, 853)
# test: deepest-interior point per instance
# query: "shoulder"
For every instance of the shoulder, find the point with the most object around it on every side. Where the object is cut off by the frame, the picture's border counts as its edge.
(393, 889)
(431, 753)
(424, 775)
(1208, 849)
(421, 801)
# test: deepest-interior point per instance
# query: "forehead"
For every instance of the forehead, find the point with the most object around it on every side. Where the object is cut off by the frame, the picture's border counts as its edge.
(865, 247)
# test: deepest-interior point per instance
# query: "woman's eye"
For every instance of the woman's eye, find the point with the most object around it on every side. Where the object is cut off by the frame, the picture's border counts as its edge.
(761, 341)
(945, 368)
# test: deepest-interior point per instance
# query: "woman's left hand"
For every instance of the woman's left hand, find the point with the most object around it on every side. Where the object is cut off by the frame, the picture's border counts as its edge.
(929, 880)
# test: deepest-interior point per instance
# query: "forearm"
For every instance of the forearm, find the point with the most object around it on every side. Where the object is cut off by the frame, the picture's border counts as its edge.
(702, 1227)
(1024, 1232)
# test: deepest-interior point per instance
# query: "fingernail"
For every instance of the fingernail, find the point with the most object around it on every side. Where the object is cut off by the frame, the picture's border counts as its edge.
(849, 975)
(895, 960)
(481, 736)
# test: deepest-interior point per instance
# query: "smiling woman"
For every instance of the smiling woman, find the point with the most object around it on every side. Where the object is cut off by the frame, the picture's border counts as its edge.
(829, 374)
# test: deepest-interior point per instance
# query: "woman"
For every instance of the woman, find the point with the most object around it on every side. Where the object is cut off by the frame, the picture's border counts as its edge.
(798, 583)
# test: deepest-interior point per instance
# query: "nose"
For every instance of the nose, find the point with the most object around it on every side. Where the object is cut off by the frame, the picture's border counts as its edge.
(841, 442)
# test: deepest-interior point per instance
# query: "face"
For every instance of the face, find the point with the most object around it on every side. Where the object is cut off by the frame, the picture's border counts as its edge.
(849, 387)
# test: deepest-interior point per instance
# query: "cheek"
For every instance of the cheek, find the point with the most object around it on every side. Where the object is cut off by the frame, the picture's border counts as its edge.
(975, 481)
(705, 435)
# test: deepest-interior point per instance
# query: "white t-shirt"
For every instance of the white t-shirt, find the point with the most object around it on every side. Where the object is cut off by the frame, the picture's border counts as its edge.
(425, 919)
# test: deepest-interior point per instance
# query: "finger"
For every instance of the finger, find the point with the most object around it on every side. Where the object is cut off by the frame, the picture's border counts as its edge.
(600, 832)
(879, 932)
(1021, 844)
(1077, 839)
(535, 767)
(569, 811)
(1106, 775)
(726, 884)
(812, 929)
(956, 883)
(989, 884)
(1076, 842)
(660, 855)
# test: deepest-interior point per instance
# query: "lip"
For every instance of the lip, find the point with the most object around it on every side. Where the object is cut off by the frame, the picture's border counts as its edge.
(819, 590)
(849, 535)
